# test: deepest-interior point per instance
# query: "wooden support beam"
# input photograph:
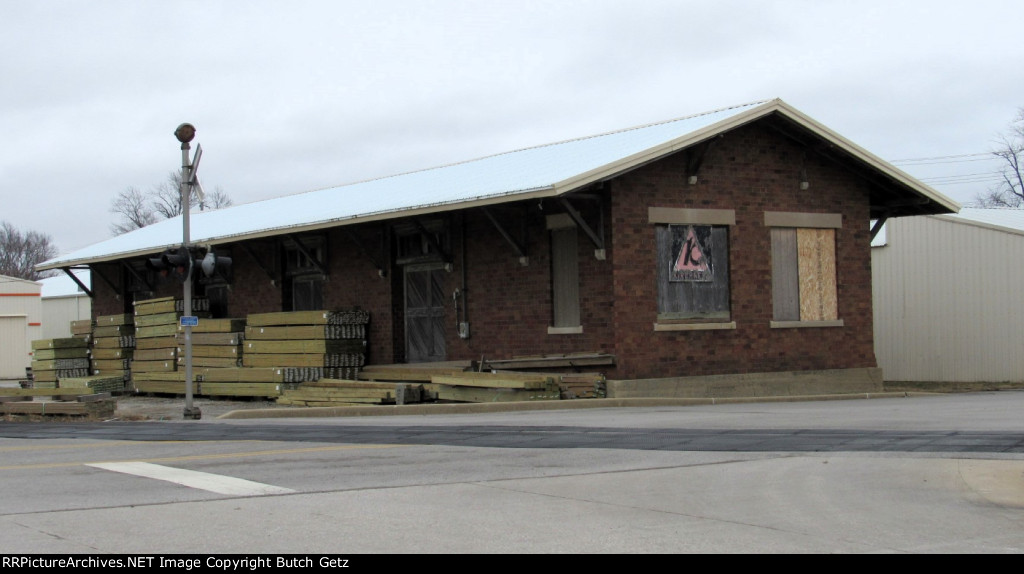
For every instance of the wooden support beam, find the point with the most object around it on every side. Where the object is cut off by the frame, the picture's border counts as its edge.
(77, 281)
(308, 254)
(248, 250)
(878, 226)
(381, 270)
(115, 288)
(595, 237)
(524, 259)
(445, 256)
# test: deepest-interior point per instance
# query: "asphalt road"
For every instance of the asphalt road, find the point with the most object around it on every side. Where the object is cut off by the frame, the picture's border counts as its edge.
(938, 474)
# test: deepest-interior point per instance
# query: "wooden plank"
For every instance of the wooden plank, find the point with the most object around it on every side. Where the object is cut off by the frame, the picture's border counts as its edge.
(785, 275)
(220, 351)
(66, 343)
(150, 343)
(151, 366)
(158, 319)
(342, 393)
(210, 338)
(166, 376)
(404, 373)
(121, 319)
(337, 346)
(155, 306)
(60, 364)
(477, 395)
(288, 318)
(484, 380)
(20, 392)
(254, 375)
(553, 362)
(211, 362)
(113, 331)
(63, 353)
(344, 383)
(283, 360)
(240, 389)
(114, 342)
(110, 364)
(207, 325)
(165, 354)
(289, 332)
(118, 353)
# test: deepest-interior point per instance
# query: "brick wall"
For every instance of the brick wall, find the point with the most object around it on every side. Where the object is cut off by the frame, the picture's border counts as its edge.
(750, 170)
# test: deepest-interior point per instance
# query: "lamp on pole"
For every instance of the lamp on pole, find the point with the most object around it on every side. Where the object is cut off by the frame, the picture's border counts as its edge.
(185, 133)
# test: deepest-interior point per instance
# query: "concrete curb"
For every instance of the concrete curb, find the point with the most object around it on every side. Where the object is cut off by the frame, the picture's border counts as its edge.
(469, 408)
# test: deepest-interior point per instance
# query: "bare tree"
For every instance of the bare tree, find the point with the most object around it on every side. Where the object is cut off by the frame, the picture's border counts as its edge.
(21, 252)
(1010, 191)
(134, 210)
(138, 209)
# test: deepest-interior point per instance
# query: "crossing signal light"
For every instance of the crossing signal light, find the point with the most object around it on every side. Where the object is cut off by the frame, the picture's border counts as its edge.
(176, 262)
(213, 264)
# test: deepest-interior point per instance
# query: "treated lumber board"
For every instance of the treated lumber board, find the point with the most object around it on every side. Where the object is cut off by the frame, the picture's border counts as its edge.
(288, 318)
(120, 319)
(254, 375)
(66, 343)
(318, 392)
(166, 376)
(165, 354)
(302, 403)
(219, 351)
(211, 338)
(60, 364)
(108, 373)
(211, 362)
(153, 366)
(124, 342)
(552, 362)
(157, 319)
(483, 380)
(20, 392)
(155, 306)
(283, 360)
(53, 354)
(478, 395)
(82, 327)
(338, 346)
(118, 353)
(113, 331)
(207, 325)
(150, 343)
(345, 383)
(46, 408)
(292, 332)
(240, 389)
(167, 331)
(110, 364)
(161, 387)
(399, 374)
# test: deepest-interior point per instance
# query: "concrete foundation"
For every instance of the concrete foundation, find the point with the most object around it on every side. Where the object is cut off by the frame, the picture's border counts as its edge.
(792, 383)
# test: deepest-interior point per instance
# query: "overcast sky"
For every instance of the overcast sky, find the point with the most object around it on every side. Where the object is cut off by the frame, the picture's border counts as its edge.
(294, 96)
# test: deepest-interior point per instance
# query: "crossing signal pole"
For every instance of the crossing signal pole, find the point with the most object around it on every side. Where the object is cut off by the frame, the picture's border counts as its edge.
(185, 133)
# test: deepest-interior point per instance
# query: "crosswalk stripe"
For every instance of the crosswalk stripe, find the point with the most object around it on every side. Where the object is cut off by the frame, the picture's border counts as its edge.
(194, 479)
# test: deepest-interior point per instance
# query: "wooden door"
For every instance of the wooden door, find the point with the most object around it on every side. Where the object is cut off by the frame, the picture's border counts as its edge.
(424, 314)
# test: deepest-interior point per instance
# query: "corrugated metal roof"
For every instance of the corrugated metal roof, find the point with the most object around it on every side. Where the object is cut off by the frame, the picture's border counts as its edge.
(1007, 218)
(542, 171)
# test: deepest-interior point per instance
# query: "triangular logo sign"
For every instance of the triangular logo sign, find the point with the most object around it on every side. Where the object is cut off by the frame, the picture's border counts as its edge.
(690, 262)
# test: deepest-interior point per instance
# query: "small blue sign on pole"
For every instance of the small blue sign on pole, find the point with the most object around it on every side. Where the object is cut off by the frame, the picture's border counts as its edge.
(189, 321)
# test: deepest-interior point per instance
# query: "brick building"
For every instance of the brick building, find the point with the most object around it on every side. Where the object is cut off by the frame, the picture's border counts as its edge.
(735, 242)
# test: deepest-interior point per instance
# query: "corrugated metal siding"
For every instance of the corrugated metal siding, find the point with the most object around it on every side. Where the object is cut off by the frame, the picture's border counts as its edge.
(948, 303)
(14, 355)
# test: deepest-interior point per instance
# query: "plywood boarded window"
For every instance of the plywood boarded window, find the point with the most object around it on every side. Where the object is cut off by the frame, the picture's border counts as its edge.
(693, 272)
(804, 274)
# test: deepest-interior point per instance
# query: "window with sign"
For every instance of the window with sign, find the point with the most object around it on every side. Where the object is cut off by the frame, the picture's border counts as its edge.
(693, 272)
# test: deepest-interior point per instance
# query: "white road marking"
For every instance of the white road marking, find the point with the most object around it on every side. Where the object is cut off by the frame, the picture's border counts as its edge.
(194, 479)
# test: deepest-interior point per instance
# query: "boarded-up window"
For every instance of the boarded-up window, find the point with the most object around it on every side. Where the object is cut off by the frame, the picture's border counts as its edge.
(804, 274)
(693, 272)
(565, 278)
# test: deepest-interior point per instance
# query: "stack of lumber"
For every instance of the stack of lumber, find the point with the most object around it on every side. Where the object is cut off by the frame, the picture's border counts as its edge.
(456, 384)
(54, 359)
(113, 339)
(307, 345)
(84, 402)
(82, 329)
(95, 384)
(343, 393)
(241, 382)
(566, 360)
(155, 362)
(216, 343)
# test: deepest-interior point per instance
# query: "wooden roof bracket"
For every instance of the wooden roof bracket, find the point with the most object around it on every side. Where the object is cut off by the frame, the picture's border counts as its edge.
(878, 226)
(78, 281)
(518, 247)
(695, 159)
(445, 256)
(302, 249)
(117, 291)
(596, 237)
(381, 270)
(135, 273)
(252, 255)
